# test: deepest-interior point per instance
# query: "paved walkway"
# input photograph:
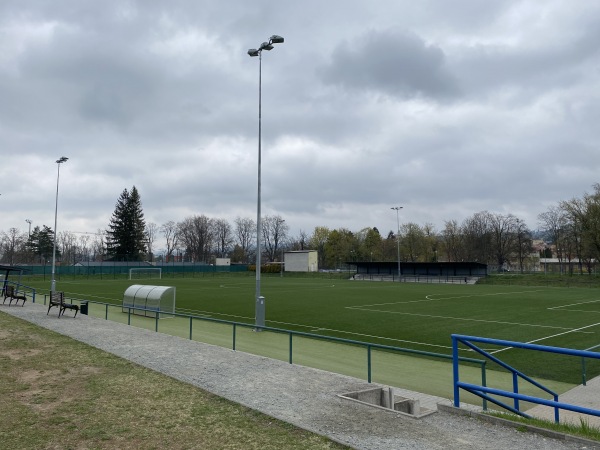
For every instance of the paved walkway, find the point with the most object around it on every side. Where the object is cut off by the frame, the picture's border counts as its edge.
(305, 397)
(587, 396)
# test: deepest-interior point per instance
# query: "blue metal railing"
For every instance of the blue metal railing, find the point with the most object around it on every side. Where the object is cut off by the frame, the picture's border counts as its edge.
(484, 391)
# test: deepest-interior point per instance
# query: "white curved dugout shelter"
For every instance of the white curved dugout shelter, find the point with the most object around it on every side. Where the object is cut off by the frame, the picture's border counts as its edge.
(150, 301)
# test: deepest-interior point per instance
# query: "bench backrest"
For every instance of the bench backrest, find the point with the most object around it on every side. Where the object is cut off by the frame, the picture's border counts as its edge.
(57, 297)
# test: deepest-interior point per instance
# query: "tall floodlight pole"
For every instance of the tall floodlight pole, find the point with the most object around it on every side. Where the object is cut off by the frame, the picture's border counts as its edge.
(59, 161)
(29, 222)
(260, 301)
(398, 208)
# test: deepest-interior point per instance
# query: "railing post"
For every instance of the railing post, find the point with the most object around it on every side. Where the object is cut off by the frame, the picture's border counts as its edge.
(156, 322)
(129, 316)
(583, 372)
(556, 411)
(191, 328)
(369, 363)
(484, 382)
(291, 334)
(106, 312)
(516, 389)
(234, 335)
(455, 371)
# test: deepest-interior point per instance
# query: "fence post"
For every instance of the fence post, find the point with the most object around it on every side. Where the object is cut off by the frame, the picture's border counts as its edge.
(234, 328)
(191, 328)
(516, 389)
(291, 347)
(484, 382)
(369, 363)
(455, 371)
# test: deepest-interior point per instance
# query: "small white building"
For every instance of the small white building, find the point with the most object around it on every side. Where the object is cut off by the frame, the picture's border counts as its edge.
(301, 261)
(223, 262)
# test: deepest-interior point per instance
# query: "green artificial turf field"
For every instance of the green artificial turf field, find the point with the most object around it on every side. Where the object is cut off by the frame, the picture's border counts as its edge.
(407, 315)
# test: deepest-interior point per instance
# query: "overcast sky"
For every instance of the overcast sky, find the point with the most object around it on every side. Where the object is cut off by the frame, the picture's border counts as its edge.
(446, 108)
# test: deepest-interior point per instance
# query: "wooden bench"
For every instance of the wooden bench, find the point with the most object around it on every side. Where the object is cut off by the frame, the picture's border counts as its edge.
(58, 299)
(11, 293)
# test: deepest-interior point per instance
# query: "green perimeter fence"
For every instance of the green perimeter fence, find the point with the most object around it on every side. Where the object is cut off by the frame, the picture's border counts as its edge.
(110, 270)
(296, 347)
(187, 270)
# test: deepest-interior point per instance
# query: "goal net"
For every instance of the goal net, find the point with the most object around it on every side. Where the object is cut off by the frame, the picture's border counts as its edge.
(145, 273)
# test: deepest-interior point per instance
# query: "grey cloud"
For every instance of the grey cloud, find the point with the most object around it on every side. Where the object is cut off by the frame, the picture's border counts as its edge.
(393, 63)
(530, 69)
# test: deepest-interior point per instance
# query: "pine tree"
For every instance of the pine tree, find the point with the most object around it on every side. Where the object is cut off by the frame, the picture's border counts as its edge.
(41, 243)
(126, 230)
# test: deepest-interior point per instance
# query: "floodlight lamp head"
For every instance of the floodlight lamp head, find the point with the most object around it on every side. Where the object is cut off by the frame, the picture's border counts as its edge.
(275, 39)
(266, 46)
(62, 159)
(253, 52)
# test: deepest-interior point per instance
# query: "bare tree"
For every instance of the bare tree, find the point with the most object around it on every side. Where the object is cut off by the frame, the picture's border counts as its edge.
(523, 242)
(83, 247)
(584, 220)
(151, 231)
(452, 241)
(274, 231)
(223, 236)
(554, 222)
(12, 244)
(99, 246)
(169, 231)
(196, 233)
(431, 242)
(503, 234)
(245, 231)
(67, 242)
(476, 231)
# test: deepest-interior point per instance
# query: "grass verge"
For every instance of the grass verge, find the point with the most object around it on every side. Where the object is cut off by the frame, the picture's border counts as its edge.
(60, 393)
(583, 429)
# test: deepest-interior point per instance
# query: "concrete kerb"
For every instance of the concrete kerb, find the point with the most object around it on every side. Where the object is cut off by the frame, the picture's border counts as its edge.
(518, 425)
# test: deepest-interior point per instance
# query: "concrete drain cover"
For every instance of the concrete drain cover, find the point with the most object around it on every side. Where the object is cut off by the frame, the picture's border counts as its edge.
(385, 399)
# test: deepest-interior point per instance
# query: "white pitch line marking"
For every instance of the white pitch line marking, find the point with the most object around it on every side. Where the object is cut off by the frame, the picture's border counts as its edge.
(429, 298)
(549, 337)
(459, 318)
(574, 304)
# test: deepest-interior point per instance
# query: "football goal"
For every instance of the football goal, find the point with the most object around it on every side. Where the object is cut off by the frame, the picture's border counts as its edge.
(145, 273)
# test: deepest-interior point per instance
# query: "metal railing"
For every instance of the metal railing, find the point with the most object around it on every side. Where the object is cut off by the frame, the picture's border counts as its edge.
(28, 291)
(584, 365)
(484, 391)
(369, 347)
(423, 279)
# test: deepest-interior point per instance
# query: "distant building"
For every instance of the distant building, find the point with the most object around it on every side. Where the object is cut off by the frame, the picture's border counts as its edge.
(301, 261)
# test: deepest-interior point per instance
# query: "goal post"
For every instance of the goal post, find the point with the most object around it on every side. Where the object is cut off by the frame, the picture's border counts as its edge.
(145, 273)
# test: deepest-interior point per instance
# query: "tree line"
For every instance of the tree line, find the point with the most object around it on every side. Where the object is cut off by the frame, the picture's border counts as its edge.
(570, 230)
